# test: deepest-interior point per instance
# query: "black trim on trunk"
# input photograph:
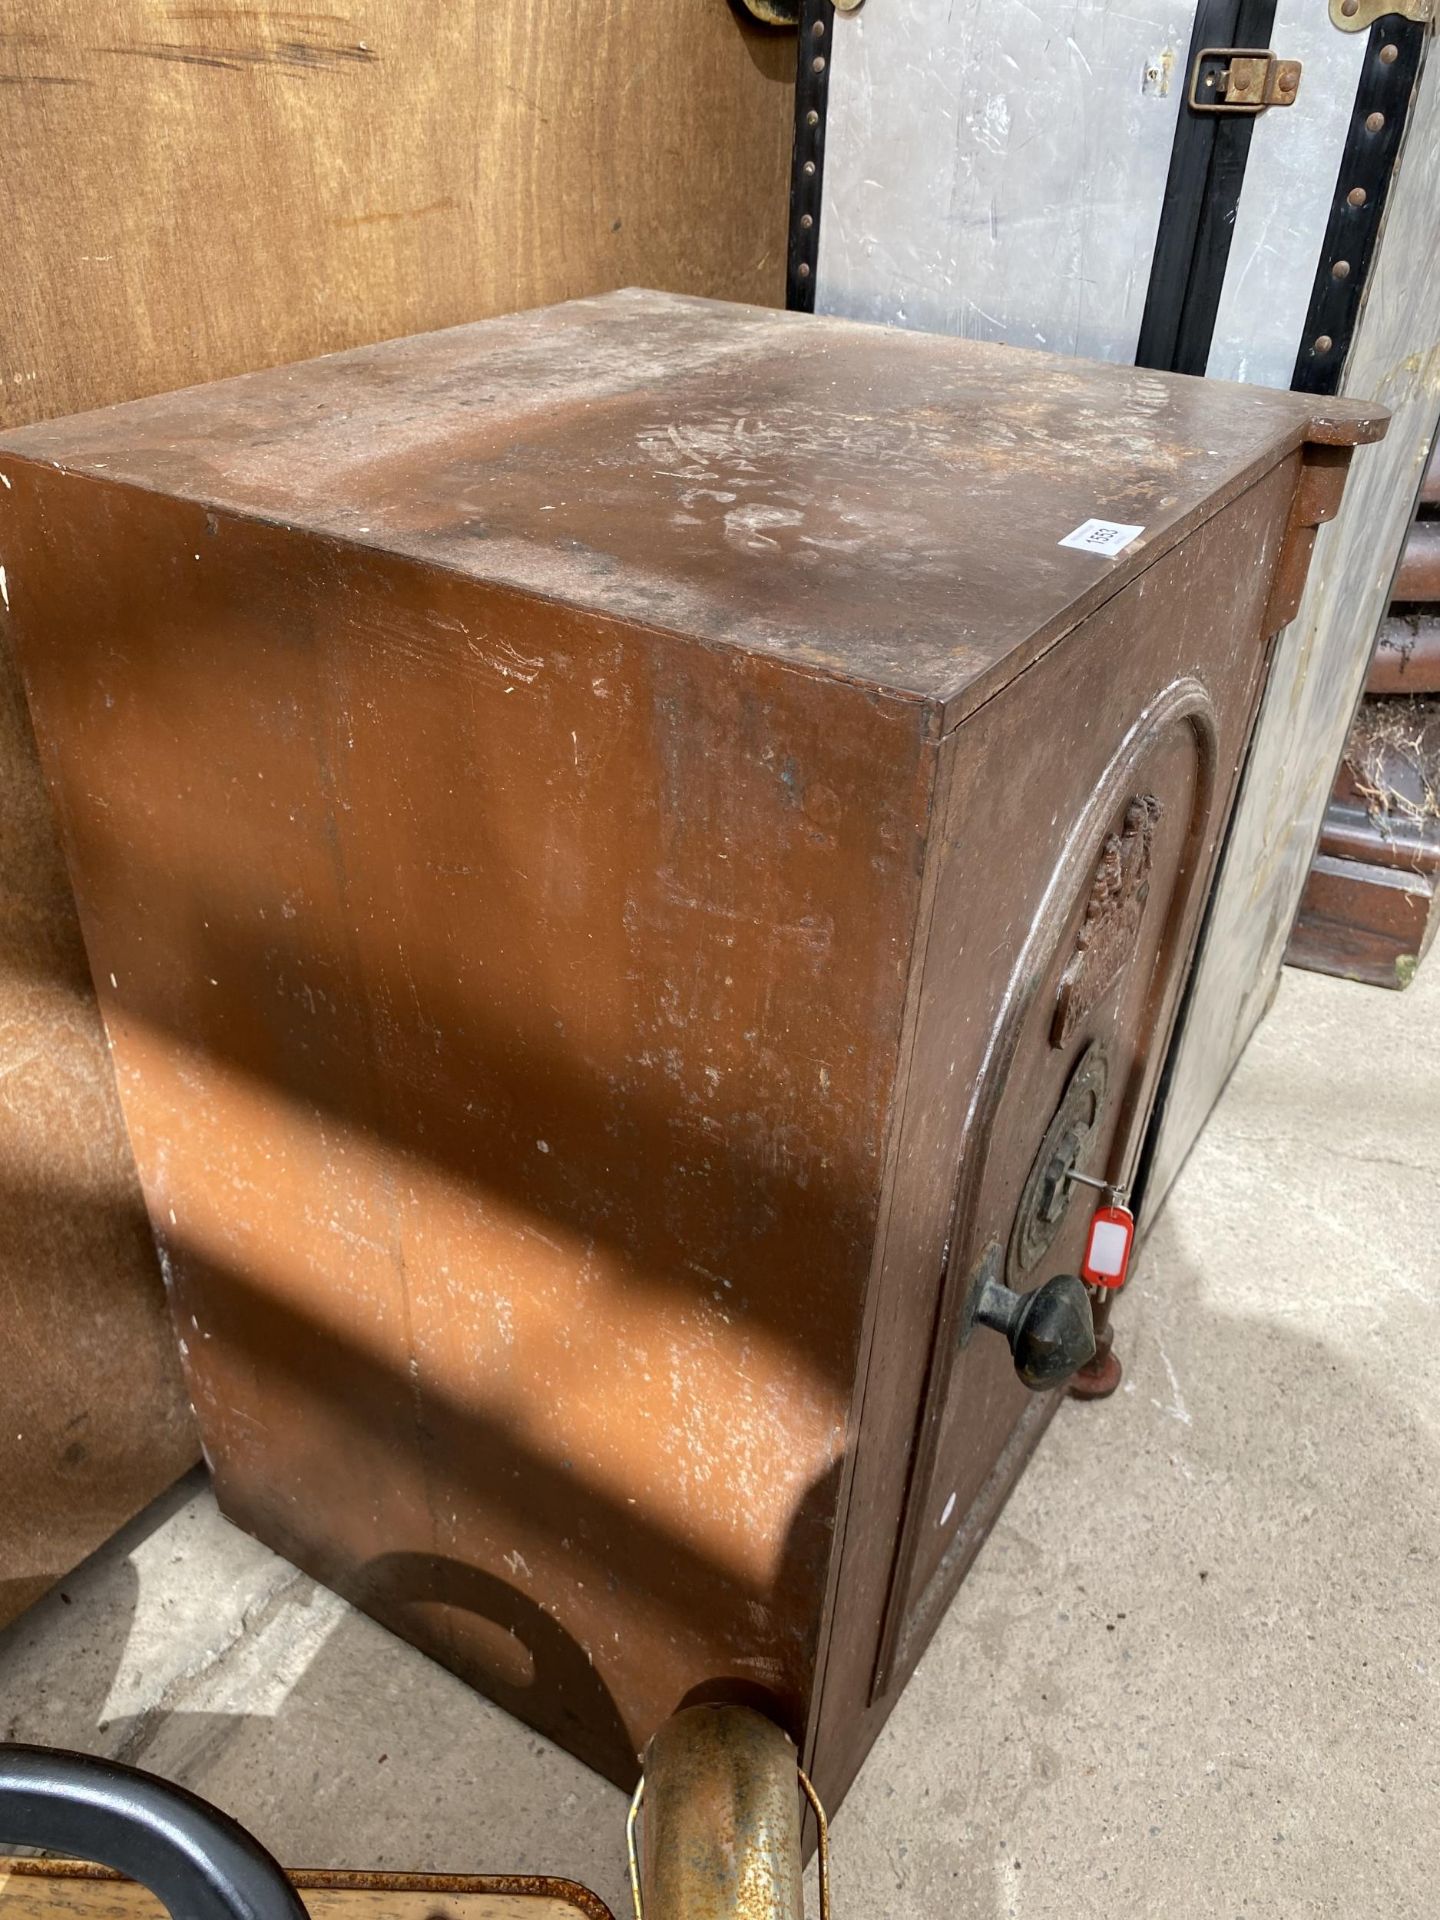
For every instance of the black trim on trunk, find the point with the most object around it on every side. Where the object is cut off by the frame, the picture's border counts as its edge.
(1202, 192)
(807, 167)
(1387, 87)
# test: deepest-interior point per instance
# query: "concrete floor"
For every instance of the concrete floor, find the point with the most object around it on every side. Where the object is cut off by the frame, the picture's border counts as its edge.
(1194, 1672)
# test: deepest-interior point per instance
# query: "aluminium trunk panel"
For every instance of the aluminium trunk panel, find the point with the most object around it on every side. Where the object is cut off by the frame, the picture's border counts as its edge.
(1280, 222)
(1321, 662)
(1010, 186)
(602, 837)
(1013, 186)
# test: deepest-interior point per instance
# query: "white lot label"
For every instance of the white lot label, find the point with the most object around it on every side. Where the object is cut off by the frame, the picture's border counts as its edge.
(1109, 1243)
(1101, 536)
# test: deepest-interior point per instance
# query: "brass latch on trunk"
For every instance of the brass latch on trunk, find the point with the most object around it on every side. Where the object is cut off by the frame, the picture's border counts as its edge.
(1242, 80)
(1357, 16)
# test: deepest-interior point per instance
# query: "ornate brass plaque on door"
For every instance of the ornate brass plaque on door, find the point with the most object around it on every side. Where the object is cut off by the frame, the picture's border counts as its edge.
(1112, 919)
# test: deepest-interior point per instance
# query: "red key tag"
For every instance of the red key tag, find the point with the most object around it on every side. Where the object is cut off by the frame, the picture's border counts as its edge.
(1107, 1252)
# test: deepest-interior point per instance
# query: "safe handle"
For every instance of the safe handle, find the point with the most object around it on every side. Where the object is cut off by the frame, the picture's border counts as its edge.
(1051, 1331)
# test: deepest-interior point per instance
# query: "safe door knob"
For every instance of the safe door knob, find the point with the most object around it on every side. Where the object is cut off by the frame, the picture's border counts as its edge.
(1051, 1331)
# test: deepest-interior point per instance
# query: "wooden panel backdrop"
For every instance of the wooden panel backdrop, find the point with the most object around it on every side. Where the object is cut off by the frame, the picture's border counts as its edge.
(196, 188)
(1323, 655)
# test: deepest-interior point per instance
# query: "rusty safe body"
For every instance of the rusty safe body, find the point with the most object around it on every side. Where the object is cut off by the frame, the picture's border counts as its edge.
(604, 838)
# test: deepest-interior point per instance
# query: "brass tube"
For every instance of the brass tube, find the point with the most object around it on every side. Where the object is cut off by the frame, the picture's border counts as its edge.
(721, 1820)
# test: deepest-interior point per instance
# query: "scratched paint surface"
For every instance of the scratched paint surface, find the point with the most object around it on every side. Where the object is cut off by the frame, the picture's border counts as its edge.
(761, 481)
(1321, 658)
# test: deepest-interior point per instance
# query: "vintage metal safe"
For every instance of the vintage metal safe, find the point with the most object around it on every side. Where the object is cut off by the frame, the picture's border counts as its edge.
(627, 851)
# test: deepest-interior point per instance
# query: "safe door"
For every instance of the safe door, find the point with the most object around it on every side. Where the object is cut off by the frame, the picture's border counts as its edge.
(1084, 808)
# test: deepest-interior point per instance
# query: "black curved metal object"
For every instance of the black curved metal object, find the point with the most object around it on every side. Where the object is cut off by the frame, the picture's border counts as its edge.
(202, 1864)
(1051, 1331)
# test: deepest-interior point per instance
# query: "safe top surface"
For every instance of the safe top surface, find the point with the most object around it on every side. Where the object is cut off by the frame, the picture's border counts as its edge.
(879, 505)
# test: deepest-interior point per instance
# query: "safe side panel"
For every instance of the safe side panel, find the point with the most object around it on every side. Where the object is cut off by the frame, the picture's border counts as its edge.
(1153, 694)
(506, 1007)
